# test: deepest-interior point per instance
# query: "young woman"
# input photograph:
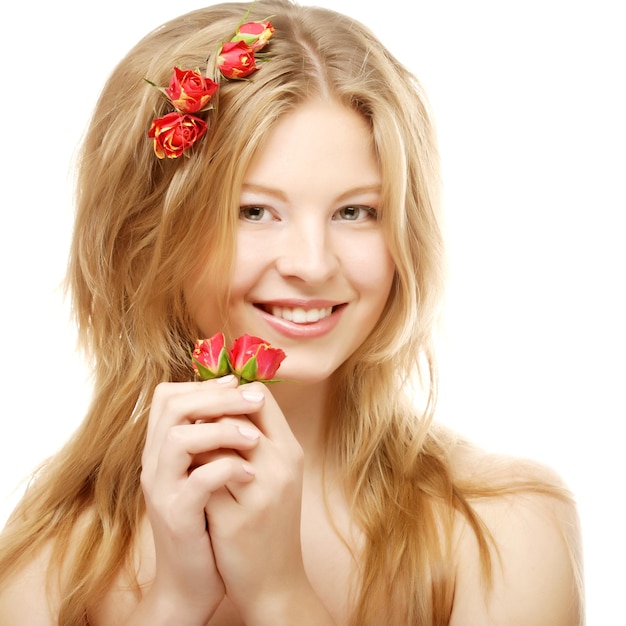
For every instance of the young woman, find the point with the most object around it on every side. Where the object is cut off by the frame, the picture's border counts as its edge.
(297, 202)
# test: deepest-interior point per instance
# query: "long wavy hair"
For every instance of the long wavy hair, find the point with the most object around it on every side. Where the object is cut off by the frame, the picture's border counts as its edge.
(142, 225)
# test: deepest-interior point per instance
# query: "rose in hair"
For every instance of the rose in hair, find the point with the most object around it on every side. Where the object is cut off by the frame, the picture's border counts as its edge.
(236, 60)
(254, 34)
(174, 133)
(189, 91)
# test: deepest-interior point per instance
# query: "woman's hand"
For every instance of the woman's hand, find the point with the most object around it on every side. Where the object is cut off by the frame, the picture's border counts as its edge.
(196, 434)
(255, 526)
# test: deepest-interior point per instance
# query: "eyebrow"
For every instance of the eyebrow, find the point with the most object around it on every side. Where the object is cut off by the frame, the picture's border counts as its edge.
(277, 193)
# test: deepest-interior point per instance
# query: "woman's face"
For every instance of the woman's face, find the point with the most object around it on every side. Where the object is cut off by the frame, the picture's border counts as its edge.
(312, 270)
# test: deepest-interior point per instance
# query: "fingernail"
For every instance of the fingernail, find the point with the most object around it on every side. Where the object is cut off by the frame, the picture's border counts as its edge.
(222, 380)
(249, 433)
(252, 396)
(248, 469)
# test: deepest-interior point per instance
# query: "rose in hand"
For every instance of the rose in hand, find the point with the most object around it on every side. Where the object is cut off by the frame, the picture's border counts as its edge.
(209, 357)
(250, 358)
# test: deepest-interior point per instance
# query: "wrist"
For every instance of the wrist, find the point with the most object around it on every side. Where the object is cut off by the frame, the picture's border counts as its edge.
(291, 606)
(161, 609)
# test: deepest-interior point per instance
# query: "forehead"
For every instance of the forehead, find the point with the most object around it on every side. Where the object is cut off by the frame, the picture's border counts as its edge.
(320, 143)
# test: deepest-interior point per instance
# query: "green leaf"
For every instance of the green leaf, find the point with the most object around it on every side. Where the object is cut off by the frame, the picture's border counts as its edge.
(249, 370)
(223, 363)
(204, 372)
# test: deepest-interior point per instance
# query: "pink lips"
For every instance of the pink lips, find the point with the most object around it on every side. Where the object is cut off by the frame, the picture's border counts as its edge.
(302, 330)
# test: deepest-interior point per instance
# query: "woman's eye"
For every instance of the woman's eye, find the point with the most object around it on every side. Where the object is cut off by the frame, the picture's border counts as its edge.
(356, 213)
(252, 213)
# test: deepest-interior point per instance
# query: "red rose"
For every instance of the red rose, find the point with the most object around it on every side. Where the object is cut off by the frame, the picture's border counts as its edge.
(209, 357)
(252, 358)
(254, 34)
(236, 60)
(189, 91)
(174, 133)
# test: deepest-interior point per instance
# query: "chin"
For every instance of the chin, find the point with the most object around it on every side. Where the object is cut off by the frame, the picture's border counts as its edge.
(304, 375)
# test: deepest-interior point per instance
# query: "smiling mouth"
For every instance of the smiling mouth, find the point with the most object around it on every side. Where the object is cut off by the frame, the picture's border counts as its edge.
(298, 315)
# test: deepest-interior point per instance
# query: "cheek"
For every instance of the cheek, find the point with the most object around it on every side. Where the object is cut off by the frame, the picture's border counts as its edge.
(251, 258)
(248, 251)
(373, 268)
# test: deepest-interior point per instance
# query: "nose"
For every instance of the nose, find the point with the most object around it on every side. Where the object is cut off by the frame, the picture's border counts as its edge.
(307, 252)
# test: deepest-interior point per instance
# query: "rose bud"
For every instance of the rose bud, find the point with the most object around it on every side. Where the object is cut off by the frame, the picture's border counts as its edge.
(174, 133)
(189, 91)
(209, 357)
(252, 358)
(254, 34)
(236, 60)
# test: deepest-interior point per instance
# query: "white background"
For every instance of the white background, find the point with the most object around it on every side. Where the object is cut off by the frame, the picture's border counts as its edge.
(529, 100)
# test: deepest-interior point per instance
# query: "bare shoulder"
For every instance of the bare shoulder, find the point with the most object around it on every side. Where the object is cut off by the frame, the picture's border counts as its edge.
(536, 553)
(25, 597)
(29, 595)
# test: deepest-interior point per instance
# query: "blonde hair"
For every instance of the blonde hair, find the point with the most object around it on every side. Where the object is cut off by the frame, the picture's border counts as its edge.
(141, 228)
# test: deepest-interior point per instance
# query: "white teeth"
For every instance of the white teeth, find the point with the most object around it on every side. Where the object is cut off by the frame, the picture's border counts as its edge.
(300, 315)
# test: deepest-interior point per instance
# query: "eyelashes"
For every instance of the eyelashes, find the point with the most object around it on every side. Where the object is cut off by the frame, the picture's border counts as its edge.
(252, 213)
(349, 213)
(357, 212)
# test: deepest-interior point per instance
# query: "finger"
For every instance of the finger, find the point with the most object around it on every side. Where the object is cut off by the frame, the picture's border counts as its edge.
(184, 510)
(164, 393)
(209, 478)
(184, 442)
(268, 416)
(209, 401)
